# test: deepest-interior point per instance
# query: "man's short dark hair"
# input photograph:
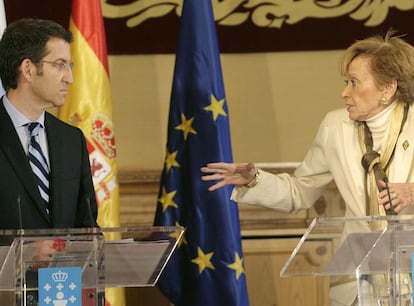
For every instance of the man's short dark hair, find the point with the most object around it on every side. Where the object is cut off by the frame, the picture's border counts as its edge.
(26, 39)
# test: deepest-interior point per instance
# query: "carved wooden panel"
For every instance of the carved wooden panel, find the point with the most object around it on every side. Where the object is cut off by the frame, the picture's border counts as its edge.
(264, 258)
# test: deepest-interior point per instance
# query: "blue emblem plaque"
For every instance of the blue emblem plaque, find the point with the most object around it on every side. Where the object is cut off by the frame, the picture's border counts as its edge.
(60, 286)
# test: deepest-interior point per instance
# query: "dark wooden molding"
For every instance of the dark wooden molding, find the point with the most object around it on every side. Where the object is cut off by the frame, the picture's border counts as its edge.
(139, 191)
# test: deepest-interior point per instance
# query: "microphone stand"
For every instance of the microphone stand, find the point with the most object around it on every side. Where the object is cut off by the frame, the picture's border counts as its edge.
(20, 273)
(393, 250)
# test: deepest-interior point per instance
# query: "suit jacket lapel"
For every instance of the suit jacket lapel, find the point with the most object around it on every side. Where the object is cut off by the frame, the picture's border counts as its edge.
(401, 166)
(56, 160)
(11, 146)
(350, 147)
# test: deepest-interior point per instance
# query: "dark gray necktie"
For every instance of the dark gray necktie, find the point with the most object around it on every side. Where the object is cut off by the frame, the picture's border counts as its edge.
(38, 163)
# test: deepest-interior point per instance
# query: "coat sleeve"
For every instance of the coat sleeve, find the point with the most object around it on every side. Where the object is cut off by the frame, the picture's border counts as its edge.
(290, 193)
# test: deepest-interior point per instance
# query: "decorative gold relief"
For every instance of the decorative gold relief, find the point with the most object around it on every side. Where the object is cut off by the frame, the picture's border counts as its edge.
(262, 13)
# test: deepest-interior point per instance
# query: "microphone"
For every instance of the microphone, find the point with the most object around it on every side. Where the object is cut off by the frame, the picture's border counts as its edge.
(390, 211)
(91, 218)
(20, 271)
(19, 208)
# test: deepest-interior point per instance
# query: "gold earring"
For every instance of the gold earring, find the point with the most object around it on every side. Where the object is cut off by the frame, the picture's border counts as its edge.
(384, 101)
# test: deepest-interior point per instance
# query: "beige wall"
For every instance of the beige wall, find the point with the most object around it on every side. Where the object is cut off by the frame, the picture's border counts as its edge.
(276, 102)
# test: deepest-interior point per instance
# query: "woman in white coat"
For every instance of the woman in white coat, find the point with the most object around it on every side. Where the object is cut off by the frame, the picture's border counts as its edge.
(378, 95)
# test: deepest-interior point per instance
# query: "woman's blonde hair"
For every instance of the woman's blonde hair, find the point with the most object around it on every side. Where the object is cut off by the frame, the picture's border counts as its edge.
(391, 58)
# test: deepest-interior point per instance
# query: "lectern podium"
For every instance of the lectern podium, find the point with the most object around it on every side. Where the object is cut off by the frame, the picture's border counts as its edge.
(135, 258)
(376, 251)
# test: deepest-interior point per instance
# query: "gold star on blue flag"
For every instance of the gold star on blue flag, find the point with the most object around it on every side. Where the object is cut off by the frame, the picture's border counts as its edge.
(207, 267)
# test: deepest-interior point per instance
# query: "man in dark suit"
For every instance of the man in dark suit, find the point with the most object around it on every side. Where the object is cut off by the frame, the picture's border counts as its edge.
(36, 71)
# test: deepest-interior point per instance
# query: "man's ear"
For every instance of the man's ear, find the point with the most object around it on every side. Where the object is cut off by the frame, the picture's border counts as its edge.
(27, 69)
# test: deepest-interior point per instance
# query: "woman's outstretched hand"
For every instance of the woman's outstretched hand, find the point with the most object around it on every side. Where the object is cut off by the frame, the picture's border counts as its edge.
(228, 174)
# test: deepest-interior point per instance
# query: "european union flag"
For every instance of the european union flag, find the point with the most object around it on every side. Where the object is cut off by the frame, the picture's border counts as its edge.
(207, 269)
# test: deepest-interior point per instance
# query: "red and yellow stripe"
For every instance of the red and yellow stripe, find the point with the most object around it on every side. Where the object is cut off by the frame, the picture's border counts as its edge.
(89, 107)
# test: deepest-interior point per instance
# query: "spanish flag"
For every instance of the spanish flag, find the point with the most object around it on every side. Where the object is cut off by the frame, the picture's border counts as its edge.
(89, 107)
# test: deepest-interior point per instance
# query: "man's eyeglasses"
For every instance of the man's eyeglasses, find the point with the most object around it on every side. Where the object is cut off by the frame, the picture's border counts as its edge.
(60, 65)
